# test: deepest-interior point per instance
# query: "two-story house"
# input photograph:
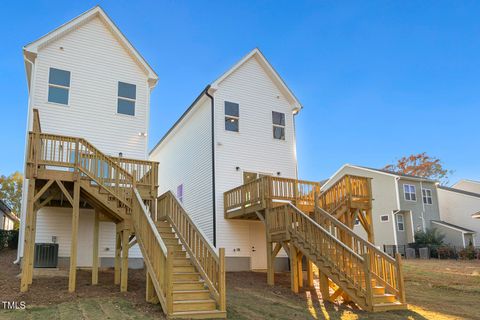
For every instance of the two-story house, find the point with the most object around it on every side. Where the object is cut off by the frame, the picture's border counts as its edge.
(87, 80)
(240, 127)
(402, 205)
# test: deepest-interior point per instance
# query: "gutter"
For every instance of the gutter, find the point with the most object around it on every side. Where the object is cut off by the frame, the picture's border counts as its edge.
(213, 166)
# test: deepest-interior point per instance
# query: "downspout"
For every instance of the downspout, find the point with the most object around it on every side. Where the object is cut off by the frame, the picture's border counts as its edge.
(213, 167)
(24, 190)
(423, 206)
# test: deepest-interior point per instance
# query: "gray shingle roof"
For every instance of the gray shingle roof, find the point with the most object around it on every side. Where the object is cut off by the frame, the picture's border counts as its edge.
(454, 226)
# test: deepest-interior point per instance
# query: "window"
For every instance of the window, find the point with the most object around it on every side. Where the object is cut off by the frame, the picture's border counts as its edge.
(400, 223)
(58, 86)
(384, 218)
(126, 98)
(357, 221)
(278, 120)
(410, 192)
(232, 116)
(427, 196)
(180, 193)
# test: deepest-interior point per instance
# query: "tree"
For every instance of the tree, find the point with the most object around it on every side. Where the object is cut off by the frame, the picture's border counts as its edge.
(11, 191)
(421, 165)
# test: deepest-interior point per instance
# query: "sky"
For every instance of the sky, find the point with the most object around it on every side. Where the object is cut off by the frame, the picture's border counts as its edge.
(378, 80)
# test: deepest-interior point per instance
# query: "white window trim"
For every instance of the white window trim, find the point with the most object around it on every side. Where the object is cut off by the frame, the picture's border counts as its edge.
(403, 221)
(127, 99)
(405, 193)
(385, 215)
(227, 116)
(59, 86)
(426, 196)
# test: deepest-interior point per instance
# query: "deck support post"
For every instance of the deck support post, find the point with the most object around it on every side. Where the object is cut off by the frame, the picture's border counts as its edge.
(124, 271)
(118, 249)
(72, 278)
(310, 273)
(150, 294)
(33, 231)
(95, 261)
(293, 268)
(300, 269)
(27, 241)
(324, 286)
(270, 264)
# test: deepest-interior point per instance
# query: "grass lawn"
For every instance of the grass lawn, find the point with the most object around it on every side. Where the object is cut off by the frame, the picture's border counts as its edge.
(435, 290)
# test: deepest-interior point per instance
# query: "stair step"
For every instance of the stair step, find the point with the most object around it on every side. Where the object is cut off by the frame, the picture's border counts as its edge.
(164, 229)
(215, 314)
(188, 285)
(177, 262)
(200, 294)
(168, 235)
(384, 298)
(163, 224)
(186, 276)
(194, 305)
(171, 241)
(378, 290)
(184, 268)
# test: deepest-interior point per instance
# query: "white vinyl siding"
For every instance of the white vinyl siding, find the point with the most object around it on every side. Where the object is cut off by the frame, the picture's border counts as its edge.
(185, 158)
(253, 149)
(96, 62)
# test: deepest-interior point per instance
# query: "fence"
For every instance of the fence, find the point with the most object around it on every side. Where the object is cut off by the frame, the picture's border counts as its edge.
(413, 251)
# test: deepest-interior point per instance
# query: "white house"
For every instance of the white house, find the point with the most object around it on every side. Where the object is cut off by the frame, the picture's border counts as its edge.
(7, 218)
(457, 207)
(468, 185)
(87, 80)
(239, 127)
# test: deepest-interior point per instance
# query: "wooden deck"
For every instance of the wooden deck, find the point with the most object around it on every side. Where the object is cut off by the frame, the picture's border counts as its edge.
(318, 225)
(65, 171)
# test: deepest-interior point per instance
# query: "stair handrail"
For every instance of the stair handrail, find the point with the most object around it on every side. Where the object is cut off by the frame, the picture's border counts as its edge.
(349, 263)
(383, 267)
(344, 190)
(209, 264)
(157, 256)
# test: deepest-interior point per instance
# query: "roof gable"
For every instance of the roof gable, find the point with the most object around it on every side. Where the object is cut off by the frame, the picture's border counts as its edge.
(270, 71)
(31, 49)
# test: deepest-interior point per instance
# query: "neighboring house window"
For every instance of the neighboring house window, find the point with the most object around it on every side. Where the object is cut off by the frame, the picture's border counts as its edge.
(180, 193)
(410, 192)
(400, 222)
(357, 221)
(127, 93)
(232, 116)
(427, 196)
(58, 86)
(384, 218)
(278, 120)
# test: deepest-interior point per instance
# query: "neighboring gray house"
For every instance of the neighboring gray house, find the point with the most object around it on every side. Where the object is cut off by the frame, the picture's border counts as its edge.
(7, 218)
(402, 205)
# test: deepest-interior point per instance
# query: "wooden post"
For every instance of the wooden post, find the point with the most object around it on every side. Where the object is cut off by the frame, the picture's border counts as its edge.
(124, 271)
(293, 268)
(95, 262)
(169, 284)
(118, 245)
(300, 269)
(368, 280)
(27, 238)
(221, 280)
(324, 286)
(72, 278)
(33, 231)
(310, 274)
(150, 294)
(401, 287)
(270, 264)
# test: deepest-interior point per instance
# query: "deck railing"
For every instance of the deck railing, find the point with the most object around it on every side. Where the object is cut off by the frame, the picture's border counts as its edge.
(347, 190)
(202, 253)
(145, 172)
(266, 190)
(385, 269)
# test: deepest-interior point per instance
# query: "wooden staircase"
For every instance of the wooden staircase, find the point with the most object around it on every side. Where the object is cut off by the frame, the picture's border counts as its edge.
(185, 273)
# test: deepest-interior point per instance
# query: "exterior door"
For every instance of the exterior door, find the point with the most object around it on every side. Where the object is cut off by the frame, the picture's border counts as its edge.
(258, 246)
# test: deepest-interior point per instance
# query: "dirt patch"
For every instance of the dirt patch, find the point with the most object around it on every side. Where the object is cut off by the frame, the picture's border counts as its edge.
(47, 290)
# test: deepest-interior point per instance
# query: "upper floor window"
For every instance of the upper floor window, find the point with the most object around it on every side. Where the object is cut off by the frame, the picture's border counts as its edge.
(58, 86)
(384, 218)
(427, 196)
(127, 94)
(410, 192)
(278, 120)
(232, 116)
(400, 222)
(180, 193)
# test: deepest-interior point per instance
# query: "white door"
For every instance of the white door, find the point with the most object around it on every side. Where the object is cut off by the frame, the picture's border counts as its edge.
(258, 246)
(85, 238)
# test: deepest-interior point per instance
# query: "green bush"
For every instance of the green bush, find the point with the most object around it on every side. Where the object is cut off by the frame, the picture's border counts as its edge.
(8, 238)
(429, 237)
(468, 253)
